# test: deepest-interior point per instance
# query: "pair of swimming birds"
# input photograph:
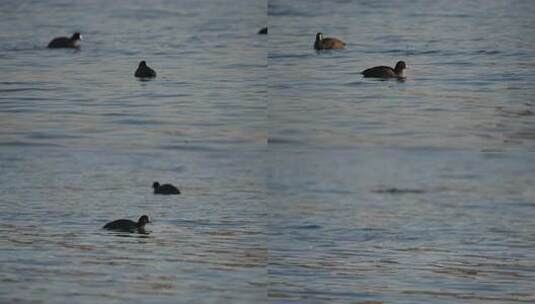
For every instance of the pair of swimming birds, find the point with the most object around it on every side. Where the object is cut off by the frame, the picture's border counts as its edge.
(74, 42)
(139, 226)
(331, 43)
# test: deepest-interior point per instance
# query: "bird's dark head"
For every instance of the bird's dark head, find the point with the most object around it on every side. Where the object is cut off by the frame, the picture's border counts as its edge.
(400, 66)
(144, 219)
(76, 36)
(142, 63)
(319, 36)
(155, 185)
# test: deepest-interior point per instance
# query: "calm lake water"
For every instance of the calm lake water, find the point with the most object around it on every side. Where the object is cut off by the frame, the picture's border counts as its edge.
(301, 181)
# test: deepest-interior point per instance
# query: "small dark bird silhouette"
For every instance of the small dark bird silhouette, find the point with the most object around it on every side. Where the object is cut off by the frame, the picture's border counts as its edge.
(128, 225)
(66, 42)
(144, 71)
(166, 189)
(385, 71)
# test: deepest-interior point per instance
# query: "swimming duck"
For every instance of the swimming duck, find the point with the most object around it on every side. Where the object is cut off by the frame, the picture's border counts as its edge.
(66, 42)
(263, 31)
(128, 225)
(166, 189)
(144, 71)
(385, 71)
(327, 43)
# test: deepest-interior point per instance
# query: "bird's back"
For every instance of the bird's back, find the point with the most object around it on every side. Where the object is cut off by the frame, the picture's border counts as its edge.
(145, 72)
(329, 43)
(60, 42)
(167, 189)
(379, 71)
(121, 224)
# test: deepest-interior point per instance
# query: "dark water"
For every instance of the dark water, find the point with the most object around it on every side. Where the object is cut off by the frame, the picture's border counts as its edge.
(301, 181)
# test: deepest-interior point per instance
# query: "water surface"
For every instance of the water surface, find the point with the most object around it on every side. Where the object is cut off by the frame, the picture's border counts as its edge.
(81, 141)
(301, 181)
(415, 191)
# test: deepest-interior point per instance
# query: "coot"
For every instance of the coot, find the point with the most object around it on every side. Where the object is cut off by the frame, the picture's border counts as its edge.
(128, 225)
(166, 189)
(385, 71)
(144, 71)
(66, 42)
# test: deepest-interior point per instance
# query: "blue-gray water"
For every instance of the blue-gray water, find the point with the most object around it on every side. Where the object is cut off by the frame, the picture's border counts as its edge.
(301, 181)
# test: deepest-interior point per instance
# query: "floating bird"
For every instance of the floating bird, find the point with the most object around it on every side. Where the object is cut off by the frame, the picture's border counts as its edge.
(66, 42)
(166, 189)
(385, 71)
(263, 31)
(144, 71)
(327, 43)
(128, 225)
